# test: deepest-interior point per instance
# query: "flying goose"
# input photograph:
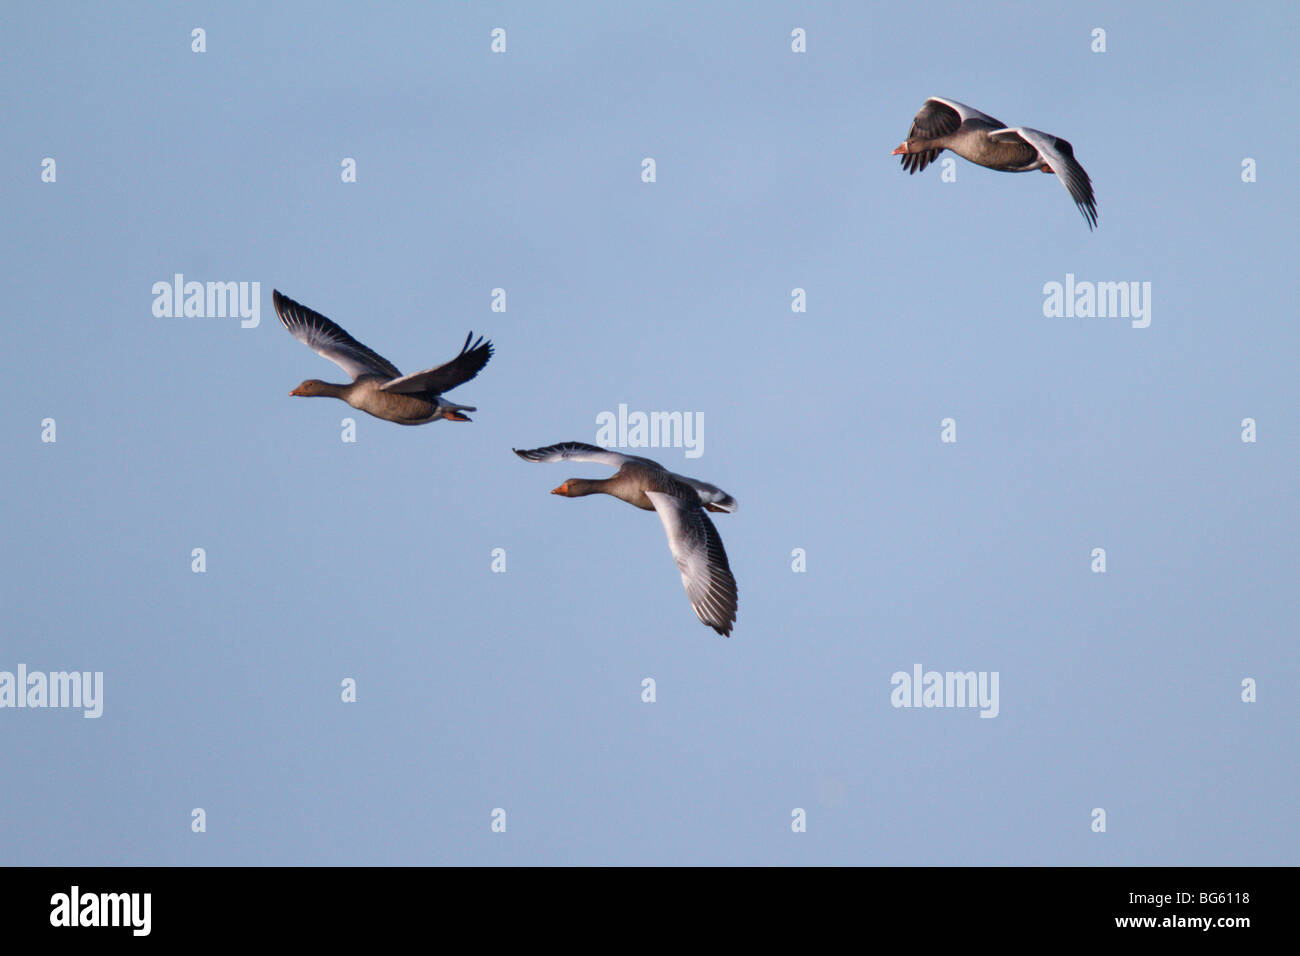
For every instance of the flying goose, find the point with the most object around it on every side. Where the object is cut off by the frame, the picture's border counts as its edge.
(378, 388)
(946, 124)
(681, 503)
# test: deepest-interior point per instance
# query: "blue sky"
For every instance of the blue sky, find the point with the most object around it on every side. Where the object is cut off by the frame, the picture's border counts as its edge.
(522, 690)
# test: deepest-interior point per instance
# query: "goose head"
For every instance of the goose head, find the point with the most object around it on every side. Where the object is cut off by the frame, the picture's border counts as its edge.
(313, 386)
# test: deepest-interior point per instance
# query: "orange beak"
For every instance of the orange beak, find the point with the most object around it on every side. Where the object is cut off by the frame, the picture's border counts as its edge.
(901, 150)
(295, 392)
(562, 490)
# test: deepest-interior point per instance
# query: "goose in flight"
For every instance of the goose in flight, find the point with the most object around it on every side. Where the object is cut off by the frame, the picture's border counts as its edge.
(681, 503)
(378, 388)
(946, 124)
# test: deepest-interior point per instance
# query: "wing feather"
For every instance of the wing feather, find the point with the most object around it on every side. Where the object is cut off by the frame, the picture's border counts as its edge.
(939, 117)
(445, 377)
(1059, 155)
(328, 339)
(711, 496)
(576, 451)
(701, 559)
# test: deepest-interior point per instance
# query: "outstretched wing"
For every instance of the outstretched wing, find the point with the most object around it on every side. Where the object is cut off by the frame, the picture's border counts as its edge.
(701, 559)
(1059, 155)
(939, 117)
(445, 377)
(330, 340)
(576, 451)
(965, 112)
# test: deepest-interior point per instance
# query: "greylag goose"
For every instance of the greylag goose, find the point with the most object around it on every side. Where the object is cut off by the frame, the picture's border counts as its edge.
(681, 503)
(946, 124)
(378, 388)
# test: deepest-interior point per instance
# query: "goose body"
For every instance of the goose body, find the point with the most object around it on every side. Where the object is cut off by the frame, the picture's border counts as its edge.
(946, 124)
(377, 387)
(681, 503)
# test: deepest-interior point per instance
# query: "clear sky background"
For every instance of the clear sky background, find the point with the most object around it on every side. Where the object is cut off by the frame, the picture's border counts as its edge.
(522, 690)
